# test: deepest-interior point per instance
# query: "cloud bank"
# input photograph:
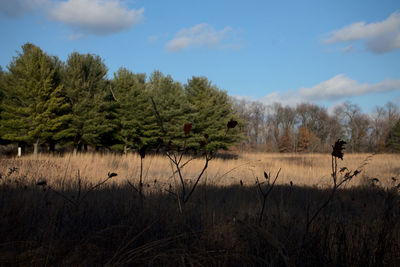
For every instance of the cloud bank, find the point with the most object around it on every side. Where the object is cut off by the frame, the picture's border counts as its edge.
(379, 37)
(201, 35)
(341, 86)
(16, 8)
(97, 17)
(336, 89)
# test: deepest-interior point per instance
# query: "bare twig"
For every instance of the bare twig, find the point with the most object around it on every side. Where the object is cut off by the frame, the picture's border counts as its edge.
(265, 194)
(208, 158)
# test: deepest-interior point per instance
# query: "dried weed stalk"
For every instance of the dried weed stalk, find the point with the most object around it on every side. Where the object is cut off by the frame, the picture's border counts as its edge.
(264, 189)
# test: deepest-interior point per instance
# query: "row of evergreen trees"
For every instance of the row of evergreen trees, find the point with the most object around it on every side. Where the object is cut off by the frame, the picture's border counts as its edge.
(73, 104)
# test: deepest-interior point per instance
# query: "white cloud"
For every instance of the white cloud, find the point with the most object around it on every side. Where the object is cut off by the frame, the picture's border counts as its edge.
(99, 17)
(290, 98)
(342, 86)
(336, 90)
(201, 35)
(15, 8)
(380, 37)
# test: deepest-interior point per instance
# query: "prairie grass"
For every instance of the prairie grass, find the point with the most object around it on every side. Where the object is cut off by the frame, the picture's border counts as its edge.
(301, 169)
(53, 215)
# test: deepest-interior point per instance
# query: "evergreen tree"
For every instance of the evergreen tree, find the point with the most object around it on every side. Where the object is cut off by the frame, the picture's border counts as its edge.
(2, 74)
(106, 118)
(134, 110)
(393, 141)
(210, 111)
(34, 109)
(91, 101)
(172, 107)
(2, 90)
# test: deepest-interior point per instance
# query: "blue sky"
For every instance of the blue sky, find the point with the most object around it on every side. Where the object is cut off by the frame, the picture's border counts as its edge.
(325, 52)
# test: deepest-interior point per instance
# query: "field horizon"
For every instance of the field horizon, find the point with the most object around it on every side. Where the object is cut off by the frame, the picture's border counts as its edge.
(303, 169)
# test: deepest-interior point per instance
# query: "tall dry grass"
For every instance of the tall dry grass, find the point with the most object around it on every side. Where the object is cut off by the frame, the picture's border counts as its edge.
(67, 221)
(300, 169)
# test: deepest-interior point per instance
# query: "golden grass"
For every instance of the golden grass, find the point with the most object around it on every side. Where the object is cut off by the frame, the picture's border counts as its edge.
(301, 169)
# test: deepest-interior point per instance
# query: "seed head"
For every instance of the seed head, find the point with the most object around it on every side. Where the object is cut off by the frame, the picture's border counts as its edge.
(338, 149)
(187, 127)
(232, 124)
(142, 152)
(41, 183)
(112, 174)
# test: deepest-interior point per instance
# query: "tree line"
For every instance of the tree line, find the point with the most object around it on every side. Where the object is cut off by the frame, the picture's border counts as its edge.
(49, 104)
(311, 128)
(53, 105)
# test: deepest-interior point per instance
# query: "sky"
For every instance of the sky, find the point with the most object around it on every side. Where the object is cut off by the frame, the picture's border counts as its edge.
(323, 52)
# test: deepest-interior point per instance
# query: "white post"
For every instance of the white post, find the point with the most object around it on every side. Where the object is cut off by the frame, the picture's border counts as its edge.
(19, 151)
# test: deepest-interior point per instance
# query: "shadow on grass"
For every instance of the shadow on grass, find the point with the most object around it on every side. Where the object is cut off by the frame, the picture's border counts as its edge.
(111, 226)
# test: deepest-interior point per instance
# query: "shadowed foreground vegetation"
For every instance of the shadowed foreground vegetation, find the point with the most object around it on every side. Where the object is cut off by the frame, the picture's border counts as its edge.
(74, 223)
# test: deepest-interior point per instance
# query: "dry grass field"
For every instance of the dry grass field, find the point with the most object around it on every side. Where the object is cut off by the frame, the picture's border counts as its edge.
(72, 220)
(301, 169)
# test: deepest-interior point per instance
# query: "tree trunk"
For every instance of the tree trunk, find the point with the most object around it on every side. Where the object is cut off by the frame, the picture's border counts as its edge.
(125, 145)
(35, 148)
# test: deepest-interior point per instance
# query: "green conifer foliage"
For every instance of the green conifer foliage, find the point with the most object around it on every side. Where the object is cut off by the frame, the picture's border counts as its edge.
(34, 108)
(92, 105)
(172, 106)
(2, 74)
(2, 91)
(134, 109)
(73, 104)
(210, 111)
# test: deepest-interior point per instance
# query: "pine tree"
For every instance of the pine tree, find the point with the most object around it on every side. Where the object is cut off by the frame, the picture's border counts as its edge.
(106, 118)
(393, 141)
(2, 90)
(172, 107)
(210, 111)
(2, 87)
(134, 110)
(91, 100)
(34, 110)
